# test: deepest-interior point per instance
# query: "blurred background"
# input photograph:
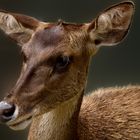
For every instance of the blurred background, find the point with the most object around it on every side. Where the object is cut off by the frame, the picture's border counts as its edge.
(119, 65)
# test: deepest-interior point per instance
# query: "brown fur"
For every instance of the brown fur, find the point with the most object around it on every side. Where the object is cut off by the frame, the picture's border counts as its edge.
(111, 113)
(105, 114)
(50, 88)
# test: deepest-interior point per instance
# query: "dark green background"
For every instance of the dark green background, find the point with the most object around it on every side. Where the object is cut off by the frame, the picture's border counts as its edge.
(119, 65)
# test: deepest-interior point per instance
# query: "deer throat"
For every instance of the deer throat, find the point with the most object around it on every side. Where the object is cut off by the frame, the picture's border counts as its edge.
(58, 124)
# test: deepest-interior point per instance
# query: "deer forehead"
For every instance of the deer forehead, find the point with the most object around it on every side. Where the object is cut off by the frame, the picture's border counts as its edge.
(45, 37)
(53, 39)
(49, 36)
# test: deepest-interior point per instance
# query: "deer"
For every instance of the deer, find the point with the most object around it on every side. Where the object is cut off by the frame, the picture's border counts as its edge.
(49, 94)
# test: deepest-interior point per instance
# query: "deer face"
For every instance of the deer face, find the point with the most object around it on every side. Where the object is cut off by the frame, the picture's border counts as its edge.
(55, 59)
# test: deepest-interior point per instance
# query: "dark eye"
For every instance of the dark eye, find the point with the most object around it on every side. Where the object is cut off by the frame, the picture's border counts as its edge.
(62, 62)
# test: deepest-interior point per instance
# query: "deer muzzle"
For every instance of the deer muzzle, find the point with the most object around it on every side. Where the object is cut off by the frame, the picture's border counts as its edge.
(8, 112)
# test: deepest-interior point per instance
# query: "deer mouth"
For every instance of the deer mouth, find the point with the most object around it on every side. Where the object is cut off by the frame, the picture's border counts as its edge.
(20, 124)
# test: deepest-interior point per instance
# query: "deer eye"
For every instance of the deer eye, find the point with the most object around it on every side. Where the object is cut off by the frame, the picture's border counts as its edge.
(62, 62)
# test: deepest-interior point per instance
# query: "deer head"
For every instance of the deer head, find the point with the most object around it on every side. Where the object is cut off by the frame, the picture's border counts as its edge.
(55, 59)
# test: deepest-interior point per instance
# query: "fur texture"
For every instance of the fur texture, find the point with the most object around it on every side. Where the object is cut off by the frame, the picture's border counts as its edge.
(50, 89)
(111, 114)
(105, 114)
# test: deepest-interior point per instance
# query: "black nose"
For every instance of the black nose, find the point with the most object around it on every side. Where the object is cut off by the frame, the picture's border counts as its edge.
(6, 111)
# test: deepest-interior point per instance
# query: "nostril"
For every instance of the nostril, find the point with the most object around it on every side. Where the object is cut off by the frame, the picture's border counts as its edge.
(8, 113)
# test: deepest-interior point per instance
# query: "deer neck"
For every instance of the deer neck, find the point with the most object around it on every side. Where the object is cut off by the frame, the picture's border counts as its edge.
(58, 124)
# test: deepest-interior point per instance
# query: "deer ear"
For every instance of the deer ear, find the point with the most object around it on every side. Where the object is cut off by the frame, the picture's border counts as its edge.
(111, 26)
(18, 27)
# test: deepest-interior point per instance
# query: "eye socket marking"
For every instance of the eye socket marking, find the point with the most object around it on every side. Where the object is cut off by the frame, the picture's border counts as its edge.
(59, 63)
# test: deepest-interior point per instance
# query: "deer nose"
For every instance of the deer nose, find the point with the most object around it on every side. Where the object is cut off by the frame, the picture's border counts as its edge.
(6, 111)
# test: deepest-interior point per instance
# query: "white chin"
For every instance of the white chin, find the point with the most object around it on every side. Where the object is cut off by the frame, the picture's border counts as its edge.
(21, 126)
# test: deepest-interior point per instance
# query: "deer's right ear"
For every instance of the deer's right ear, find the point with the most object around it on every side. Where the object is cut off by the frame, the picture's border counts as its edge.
(18, 27)
(112, 25)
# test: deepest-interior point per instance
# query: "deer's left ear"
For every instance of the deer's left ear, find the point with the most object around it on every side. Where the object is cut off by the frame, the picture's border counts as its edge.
(112, 25)
(18, 27)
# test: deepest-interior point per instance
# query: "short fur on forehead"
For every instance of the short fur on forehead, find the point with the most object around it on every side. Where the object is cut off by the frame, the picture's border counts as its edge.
(49, 36)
